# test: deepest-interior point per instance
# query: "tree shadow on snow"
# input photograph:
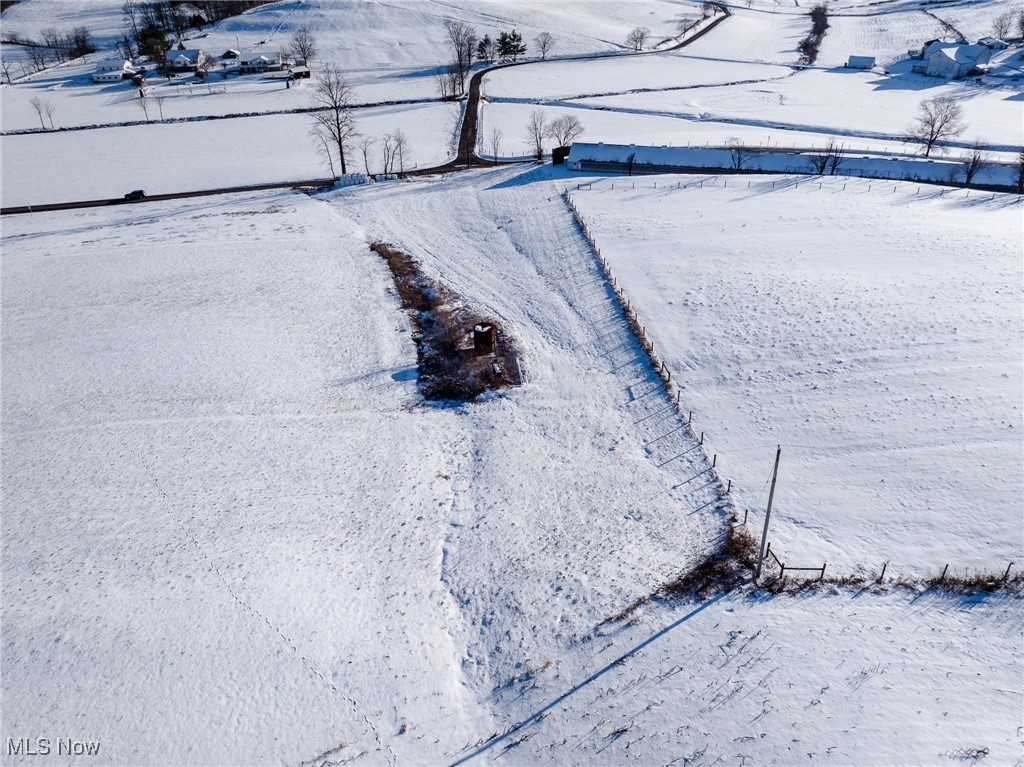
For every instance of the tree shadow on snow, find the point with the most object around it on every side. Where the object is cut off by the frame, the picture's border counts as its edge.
(540, 713)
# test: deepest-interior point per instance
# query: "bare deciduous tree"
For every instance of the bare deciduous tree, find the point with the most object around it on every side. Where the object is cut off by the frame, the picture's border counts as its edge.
(463, 41)
(637, 37)
(830, 160)
(160, 104)
(6, 66)
(937, 119)
(401, 144)
(544, 42)
(564, 129)
(388, 147)
(55, 40)
(685, 25)
(37, 104)
(1002, 24)
(975, 162)
(132, 13)
(448, 81)
(49, 108)
(739, 153)
(495, 142)
(143, 103)
(38, 57)
(365, 146)
(708, 8)
(332, 97)
(323, 145)
(630, 162)
(302, 46)
(536, 130)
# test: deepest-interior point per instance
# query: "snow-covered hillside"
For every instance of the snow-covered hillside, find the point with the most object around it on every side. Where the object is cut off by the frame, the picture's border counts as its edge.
(234, 532)
(233, 528)
(213, 449)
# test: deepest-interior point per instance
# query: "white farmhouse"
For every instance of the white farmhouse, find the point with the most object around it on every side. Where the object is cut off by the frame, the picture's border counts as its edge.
(260, 62)
(953, 60)
(186, 60)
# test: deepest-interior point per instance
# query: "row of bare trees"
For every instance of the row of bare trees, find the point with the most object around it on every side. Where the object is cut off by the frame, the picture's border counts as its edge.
(334, 129)
(562, 131)
(55, 47)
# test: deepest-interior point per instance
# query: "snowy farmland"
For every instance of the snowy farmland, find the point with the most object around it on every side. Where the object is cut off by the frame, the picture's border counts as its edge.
(886, 357)
(236, 532)
(211, 154)
(214, 453)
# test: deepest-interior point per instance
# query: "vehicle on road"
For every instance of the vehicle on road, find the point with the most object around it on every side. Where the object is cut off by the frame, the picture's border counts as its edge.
(137, 194)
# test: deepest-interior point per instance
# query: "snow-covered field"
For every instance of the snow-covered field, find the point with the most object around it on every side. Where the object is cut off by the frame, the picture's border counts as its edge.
(843, 103)
(214, 452)
(233, 532)
(566, 79)
(876, 335)
(181, 157)
(232, 528)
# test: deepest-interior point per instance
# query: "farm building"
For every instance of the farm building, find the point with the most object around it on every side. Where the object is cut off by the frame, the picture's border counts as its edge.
(951, 60)
(861, 62)
(631, 159)
(993, 43)
(260, 62)
(112, 71)
(186, 60)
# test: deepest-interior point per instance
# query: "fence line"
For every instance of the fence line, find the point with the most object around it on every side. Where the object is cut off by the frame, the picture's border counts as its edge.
(639, 331)
(816, 183)
(657, 362)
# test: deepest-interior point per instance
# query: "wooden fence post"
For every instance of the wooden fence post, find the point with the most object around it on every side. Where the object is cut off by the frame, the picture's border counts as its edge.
(942, 578)
(822, 576)
(728, 490)
(1007, 573)
(884, 565)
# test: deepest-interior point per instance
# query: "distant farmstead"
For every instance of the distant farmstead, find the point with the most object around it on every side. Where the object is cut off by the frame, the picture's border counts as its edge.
(861, 62)
(254, 63)
(186, 60)
(952, 60)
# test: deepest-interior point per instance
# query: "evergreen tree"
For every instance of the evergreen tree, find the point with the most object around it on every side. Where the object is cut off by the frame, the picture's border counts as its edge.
(510, 46)
(485, 49)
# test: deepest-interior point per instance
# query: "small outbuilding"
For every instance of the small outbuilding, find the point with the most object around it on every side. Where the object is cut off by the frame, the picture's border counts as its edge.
(230, 53)
(300, 73)
(993, 43)
(861, 62)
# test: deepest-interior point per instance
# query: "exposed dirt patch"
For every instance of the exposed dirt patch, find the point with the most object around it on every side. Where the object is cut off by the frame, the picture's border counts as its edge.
(454, 363)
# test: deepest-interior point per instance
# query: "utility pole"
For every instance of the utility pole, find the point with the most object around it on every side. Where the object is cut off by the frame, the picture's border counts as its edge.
(768, 514)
